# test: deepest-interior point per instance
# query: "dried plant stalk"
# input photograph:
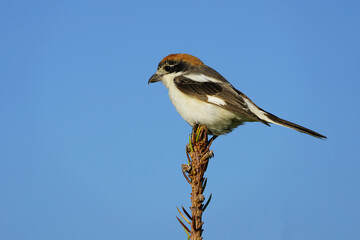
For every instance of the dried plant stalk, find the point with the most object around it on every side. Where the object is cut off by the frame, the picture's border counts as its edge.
(198, 149)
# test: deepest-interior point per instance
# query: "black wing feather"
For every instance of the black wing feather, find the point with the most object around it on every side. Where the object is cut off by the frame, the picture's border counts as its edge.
(233, 98)
(191, 87)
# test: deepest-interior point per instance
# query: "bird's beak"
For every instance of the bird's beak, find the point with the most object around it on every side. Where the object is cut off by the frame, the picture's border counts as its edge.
(154, 78)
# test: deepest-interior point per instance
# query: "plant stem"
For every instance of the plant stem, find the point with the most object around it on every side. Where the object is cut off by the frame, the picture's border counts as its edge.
(198, 149)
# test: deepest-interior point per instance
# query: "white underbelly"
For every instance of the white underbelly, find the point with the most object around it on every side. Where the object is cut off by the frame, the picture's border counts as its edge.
(217, 119)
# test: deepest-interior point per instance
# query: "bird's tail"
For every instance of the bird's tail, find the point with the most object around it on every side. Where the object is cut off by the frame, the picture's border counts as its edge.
(276, 120)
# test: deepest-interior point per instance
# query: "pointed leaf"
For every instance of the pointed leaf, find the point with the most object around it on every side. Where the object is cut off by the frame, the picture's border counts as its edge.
(191, 148)
(183, 216)
(187, 214)
(207, 203)
(204, 185)
(184, 226)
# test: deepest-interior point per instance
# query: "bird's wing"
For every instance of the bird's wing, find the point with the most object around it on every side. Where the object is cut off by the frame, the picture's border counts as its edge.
(219, 93)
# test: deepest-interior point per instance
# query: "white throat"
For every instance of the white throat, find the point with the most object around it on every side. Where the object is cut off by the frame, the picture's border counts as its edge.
(168, 79)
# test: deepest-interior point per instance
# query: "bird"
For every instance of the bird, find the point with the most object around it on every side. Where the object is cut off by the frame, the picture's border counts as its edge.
(202, 96)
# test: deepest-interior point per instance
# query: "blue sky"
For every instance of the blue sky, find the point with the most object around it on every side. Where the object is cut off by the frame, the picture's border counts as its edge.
(89, 150)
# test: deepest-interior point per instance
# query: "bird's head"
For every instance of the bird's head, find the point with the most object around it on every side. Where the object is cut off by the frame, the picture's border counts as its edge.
(175, 64)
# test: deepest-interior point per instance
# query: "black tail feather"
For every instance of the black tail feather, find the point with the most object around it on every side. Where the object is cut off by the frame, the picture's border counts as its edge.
(294, 126)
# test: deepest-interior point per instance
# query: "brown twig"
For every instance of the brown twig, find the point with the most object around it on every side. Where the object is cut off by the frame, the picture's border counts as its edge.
(198, 149)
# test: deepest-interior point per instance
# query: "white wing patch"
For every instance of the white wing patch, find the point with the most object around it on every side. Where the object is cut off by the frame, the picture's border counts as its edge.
(201, 78)
(216, 100)
(260, 114)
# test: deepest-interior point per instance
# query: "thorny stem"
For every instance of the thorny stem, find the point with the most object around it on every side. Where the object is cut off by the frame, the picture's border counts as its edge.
(200, 154)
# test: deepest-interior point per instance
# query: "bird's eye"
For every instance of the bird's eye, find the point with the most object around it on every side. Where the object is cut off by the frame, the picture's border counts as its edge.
(167, 68)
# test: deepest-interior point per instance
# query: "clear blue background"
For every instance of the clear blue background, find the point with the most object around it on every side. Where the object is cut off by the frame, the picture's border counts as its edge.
(89, 150)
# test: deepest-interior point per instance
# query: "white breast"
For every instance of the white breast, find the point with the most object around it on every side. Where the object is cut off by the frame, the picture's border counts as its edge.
(194, 111)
